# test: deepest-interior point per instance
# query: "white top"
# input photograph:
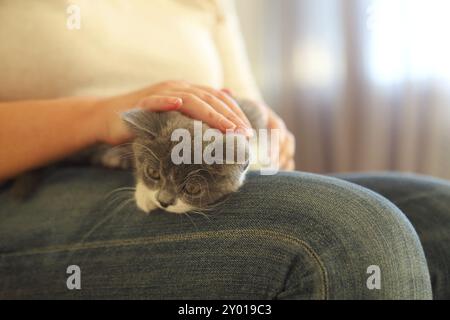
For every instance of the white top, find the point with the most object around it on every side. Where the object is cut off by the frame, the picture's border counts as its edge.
(121, 45)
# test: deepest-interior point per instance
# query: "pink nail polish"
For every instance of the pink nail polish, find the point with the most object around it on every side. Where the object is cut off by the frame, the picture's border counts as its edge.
(227, 125)
(177, 102)
(244, 131)
(227, 91)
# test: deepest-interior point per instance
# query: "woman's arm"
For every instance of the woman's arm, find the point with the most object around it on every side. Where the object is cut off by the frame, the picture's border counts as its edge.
(35, 133)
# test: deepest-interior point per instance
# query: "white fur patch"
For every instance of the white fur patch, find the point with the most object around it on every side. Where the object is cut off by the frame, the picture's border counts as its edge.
(145, 198)
(179, 207)
(146, 201)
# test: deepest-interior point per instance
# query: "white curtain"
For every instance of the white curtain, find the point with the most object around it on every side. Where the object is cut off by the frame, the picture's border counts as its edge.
(363, 84)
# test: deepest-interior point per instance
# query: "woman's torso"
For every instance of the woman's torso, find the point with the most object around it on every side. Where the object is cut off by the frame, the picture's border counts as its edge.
(121, 46)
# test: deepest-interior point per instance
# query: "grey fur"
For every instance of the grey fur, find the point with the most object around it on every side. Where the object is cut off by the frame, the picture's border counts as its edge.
(152, 152)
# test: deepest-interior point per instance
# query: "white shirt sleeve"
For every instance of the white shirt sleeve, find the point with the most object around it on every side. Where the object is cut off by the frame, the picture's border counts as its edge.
(237, 73)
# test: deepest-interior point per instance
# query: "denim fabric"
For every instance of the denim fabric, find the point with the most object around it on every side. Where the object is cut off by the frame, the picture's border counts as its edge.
(289, 236)
(426, 203)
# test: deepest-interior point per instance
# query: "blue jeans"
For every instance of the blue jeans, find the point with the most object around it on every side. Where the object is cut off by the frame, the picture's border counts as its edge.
(289, 236)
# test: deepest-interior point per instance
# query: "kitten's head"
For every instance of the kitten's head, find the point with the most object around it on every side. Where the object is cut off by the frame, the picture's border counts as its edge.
(178, 188)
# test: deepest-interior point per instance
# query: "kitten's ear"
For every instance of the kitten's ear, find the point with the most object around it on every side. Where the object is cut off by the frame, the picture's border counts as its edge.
(140, 122)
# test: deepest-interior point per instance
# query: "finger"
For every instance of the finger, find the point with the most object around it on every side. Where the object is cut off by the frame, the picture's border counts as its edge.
(289, 145)
(287, 149)
(198, 109)
(160, 103)
(275, 123)
(220, 106)
(229, 101)
(283, 161)
(290, 166)
(227, 91)
(286, 162)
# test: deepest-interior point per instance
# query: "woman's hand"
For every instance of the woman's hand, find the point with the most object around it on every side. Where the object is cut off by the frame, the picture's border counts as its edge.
(214, 107)
(287, 141)
(286, 146)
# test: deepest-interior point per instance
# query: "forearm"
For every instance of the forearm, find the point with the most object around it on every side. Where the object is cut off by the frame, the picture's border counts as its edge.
(34, 133)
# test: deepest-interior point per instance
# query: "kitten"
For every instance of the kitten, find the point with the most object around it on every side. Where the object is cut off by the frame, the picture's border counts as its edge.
(184, 187)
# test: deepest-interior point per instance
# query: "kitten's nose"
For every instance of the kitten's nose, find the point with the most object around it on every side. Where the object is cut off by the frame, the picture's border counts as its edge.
(164, 204)
(165, 198)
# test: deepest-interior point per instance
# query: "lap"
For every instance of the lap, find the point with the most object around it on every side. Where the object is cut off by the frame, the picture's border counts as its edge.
(286, 236)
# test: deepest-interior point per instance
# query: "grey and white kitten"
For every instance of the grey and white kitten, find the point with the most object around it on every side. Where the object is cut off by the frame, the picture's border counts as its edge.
(184, 187)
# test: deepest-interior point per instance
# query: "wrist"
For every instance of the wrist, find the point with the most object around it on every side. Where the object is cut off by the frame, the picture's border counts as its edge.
(94, 119)
(99, 119)
(106, 115)
(107, 120)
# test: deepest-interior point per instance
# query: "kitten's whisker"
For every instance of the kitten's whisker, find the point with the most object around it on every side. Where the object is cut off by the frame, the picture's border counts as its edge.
(125, 203)
(105, 219)
(126, 155)
(202, 214)
(213, 207)
(119, 190)
(187, 215)
(121, 145)
(149, 150)
(118, 195)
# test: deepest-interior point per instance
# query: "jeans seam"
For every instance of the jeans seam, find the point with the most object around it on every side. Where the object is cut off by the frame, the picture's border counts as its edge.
(316, 258)
(184, 237)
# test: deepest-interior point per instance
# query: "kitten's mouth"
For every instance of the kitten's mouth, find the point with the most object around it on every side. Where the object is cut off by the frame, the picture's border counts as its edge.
(178, 208)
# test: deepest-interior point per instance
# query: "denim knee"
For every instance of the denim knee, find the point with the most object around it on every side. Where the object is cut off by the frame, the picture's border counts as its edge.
(285, 236)
(352, 243)
(426, 203)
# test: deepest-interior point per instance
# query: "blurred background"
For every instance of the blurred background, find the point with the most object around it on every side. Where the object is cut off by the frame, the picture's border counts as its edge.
(363, 84)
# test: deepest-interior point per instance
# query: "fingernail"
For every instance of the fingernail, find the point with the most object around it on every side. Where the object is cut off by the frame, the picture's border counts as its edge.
(227, 124)
(243, 124)
(227, 91)
(244, 131)
(174, 104)
(177, 101)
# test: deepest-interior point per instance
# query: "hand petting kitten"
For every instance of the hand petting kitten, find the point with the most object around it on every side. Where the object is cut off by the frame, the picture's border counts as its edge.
(214, 107)
(217, 108)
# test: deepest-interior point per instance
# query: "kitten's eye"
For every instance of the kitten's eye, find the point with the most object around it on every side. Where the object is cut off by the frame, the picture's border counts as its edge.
(152, 173)
(193, 189)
